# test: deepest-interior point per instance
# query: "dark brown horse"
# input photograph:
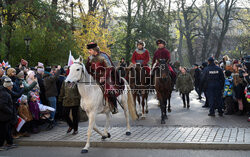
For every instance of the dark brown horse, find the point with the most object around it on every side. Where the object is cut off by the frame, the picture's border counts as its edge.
(163, 87)
(139, 82)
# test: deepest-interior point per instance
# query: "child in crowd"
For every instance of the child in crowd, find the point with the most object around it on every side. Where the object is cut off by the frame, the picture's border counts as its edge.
(25, 114)
(228, 93)
(35, 111)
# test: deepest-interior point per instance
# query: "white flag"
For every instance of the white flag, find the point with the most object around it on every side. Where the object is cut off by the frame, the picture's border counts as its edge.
(71, 59)
(20, 123)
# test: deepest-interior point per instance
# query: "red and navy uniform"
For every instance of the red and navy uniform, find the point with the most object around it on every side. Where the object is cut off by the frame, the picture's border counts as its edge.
(142, 57)
(163, 53)
(101, 67)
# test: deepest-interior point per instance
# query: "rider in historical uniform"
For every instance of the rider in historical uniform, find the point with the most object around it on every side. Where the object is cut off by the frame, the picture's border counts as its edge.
(163, 53)
(100, 66)
(141, 56)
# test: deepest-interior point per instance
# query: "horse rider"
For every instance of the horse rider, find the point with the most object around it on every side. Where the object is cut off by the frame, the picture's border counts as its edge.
(162, 53)
(100, 66)
(141, 56)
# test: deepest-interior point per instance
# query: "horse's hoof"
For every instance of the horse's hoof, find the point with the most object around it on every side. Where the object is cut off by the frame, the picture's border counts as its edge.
(109, 135)
(169, 110)
(104, 137)
(84, 151)
(128, 133)
(146, 111)
(163, 122)
(140, 114)
(143, 118)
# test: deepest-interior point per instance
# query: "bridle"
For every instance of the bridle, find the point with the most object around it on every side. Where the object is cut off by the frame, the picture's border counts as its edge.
(82, 73)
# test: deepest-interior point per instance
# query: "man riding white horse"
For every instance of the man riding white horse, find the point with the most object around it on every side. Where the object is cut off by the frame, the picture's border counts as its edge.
(100, 66)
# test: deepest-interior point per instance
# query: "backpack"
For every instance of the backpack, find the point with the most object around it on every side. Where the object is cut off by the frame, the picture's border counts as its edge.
(228, 87)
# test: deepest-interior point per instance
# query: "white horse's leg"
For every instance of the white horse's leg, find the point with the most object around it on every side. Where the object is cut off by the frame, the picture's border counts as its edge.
(106, 133)
(126, 113)
(97, 130)
(107, 125)
(91, 116)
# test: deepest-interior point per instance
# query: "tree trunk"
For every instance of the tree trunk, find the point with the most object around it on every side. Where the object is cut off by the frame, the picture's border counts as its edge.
(54, 4)
(129, 29)
(191, 57)
(168, 21)
(229, 4)
(180, 48)
(204, 48)
(219, 45)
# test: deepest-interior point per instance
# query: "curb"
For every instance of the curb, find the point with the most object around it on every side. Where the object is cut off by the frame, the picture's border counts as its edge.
(141, 145)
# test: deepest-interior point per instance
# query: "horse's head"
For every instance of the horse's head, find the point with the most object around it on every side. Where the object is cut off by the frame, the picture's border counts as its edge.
(76, 71)
(163, 68)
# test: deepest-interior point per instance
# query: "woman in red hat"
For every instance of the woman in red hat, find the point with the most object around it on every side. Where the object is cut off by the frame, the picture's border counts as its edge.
(141, 56)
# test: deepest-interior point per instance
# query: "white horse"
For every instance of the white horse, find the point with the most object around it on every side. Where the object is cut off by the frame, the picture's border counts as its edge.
(93, 101)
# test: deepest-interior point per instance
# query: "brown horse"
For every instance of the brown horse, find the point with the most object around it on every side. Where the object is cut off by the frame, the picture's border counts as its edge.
(139, 82)
(163, 87)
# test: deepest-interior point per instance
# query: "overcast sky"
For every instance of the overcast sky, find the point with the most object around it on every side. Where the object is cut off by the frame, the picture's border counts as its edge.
(122, 10)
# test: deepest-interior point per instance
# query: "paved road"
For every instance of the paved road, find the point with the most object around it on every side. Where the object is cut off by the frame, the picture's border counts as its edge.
(106, 152)
(196, 116)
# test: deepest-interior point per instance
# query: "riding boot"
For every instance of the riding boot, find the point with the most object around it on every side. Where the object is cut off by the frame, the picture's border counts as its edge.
(113, 102)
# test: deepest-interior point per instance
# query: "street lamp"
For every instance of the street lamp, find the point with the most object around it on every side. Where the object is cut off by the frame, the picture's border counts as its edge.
(27, 43)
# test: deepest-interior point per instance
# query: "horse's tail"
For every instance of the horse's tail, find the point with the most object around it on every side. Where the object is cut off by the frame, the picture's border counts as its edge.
(130, 101)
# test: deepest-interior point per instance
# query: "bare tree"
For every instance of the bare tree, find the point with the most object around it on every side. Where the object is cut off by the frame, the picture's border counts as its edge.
(181, 30)
(224, 14)
(206, 20)
(92, 5)
(190, 30)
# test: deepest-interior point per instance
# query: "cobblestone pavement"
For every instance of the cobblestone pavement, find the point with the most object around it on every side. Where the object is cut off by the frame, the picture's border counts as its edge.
(196, 116)
(149, 137)
(184, 129)
(153, 134)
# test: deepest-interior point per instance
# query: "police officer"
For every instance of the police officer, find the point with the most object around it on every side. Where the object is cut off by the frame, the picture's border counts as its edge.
(213, 80)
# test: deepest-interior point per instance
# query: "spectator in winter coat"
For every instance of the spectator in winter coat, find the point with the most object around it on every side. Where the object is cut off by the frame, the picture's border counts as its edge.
(35, 112)
(228, 93)
(184, 84)
(197, 76)
(202, 87)
(20, 82)
(6, 114)
(24, 113)
(238, 88)
(50, 77)
(70, 97)
(59, 82)
(39, 75)
(11, 73)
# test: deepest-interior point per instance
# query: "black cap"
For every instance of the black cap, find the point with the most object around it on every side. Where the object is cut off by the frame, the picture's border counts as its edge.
(161, 41)
(196, 65)
(91, 45)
